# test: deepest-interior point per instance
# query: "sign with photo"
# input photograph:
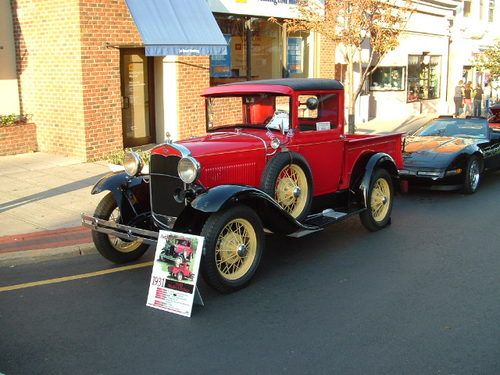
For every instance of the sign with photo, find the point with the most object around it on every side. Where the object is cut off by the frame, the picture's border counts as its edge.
(175, 272)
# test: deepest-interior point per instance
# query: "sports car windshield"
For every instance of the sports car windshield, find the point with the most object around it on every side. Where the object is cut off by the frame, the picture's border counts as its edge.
(251, 111)
(462, 128)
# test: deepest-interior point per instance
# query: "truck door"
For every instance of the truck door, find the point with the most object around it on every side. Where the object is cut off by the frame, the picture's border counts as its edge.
(319, 138)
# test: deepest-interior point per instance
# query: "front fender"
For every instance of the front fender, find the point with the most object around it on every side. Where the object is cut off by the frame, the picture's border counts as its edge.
(377, 160)
(224, 196)
(131, 193)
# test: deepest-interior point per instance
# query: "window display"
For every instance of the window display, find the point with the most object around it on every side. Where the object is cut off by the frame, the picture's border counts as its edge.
(387, 78)
(423, 77)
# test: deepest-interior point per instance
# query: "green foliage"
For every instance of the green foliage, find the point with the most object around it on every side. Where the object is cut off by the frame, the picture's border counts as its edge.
(489, 60)
(13, 119)
(116, 157)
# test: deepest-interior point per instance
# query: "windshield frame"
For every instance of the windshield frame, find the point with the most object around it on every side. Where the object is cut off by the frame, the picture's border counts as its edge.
(263, 126)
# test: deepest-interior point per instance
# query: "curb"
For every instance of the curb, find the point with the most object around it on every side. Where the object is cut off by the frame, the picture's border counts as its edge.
(48, 244)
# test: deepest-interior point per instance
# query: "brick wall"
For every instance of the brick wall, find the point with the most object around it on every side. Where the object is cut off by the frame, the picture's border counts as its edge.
(327, 58)
(103, 24)
(47, 41)
(193, 75)
(17, 139)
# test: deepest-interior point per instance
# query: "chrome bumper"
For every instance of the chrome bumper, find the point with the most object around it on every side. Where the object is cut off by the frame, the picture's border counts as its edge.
(121, 231)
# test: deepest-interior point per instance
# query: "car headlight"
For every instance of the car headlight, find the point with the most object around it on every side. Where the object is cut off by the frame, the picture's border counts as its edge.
(188, 169)
(132, 163)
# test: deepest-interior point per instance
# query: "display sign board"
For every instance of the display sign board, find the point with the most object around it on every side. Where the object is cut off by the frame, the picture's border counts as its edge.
(220, 65)
(175, 272)
(263, 8)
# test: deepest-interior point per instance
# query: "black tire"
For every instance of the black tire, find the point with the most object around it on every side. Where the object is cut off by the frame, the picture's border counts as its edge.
(179, 276)
(378, 211)
(472, 175)
(110, 247)
(230, 261)
(272, 178)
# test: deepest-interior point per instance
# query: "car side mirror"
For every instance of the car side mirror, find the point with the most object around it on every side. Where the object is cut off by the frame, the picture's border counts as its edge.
(312, 103)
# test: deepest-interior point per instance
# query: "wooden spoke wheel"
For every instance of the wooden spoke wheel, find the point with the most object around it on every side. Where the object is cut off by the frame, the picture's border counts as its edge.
(379, 201)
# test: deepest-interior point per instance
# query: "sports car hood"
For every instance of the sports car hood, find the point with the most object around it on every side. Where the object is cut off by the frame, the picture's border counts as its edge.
(433, 152)
(219, 143)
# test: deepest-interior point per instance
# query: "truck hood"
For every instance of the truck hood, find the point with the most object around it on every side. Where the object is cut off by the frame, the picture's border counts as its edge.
(225, 143)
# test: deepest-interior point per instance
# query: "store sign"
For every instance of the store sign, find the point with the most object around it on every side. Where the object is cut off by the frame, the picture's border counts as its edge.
(175, 272)
(263, 8)
(220, 65)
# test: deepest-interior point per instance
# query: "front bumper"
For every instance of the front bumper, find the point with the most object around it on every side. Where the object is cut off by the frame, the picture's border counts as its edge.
(124, 232)
(435, 179)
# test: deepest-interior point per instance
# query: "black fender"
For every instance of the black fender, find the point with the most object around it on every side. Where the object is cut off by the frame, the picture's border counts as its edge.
(131, 194)
(378, 160)
(224, 196)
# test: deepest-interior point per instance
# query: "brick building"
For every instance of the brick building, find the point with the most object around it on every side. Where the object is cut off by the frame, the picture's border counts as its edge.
(83, 75)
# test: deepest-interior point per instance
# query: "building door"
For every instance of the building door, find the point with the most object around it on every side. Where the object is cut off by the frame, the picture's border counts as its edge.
(137, 90)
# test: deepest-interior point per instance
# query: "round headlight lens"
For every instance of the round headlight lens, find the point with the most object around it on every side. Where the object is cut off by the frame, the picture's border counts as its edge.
(188, 169)
(132, 163)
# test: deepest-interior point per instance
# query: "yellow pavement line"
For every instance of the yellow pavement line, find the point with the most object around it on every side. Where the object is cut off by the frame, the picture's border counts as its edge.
(74, 277)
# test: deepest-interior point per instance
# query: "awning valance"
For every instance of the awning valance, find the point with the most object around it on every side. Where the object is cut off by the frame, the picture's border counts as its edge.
(177, 27)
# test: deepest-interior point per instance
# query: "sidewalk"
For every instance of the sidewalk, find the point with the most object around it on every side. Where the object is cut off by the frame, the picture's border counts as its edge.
(42, 196)
(41, 199)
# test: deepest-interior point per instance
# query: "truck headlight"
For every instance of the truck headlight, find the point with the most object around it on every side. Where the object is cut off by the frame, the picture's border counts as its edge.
(132, 163)
(188, 169)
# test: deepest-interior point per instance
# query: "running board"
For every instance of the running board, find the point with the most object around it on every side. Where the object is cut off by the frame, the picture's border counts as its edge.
(319, 221)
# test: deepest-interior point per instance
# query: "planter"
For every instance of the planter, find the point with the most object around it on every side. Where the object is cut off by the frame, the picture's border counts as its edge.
(17, 139)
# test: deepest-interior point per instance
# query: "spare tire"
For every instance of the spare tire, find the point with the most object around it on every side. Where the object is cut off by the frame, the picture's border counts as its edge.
(288, 179)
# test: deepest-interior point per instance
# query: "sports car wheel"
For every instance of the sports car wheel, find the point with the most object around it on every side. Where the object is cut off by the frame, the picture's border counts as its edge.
(111, 247)
(288, 180)
(472, 175)
(234, 242)
(379, 201)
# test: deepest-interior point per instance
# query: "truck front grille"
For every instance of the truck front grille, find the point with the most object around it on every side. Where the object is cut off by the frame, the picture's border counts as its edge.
(164, 184)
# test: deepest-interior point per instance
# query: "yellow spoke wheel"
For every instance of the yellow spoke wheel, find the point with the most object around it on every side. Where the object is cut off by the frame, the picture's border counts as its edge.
(236, 249)
(379, 201)
(111, 247)
(234, 242)
(291, 189)
(287, 178)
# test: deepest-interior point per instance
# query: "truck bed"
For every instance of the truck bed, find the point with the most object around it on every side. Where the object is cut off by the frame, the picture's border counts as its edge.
(357, 145)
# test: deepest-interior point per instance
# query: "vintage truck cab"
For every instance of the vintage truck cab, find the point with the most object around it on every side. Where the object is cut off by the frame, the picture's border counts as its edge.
(274, 158)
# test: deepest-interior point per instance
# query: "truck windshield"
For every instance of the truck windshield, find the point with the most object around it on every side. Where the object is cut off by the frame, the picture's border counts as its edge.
(251, 111)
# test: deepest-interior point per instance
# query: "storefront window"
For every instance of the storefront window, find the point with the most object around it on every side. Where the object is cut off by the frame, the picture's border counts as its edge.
(387, 78)
(423, 77)
(265, 49)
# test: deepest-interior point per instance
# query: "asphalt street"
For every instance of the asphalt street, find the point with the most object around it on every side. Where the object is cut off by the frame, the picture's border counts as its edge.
(419, 297)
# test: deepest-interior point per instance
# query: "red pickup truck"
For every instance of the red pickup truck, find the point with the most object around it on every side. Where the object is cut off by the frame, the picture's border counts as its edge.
(275, 157)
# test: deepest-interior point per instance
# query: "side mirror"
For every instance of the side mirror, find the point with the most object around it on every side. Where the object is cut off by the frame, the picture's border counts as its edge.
(312, 103)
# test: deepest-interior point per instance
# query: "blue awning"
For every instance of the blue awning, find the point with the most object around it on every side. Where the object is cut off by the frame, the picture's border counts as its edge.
(177, 27)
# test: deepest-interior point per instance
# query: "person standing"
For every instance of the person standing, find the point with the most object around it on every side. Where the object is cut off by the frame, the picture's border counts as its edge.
(478, 100)
(468, 99)
(458, 98)
(487, 97)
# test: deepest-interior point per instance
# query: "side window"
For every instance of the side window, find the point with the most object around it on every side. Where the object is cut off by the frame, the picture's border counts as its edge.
(318, 112)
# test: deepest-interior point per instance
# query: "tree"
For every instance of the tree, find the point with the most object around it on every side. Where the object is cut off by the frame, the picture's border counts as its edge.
(355, 26)
(489, 61)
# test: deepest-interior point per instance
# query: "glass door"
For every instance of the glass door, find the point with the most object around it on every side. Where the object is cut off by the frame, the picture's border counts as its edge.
(137, 92)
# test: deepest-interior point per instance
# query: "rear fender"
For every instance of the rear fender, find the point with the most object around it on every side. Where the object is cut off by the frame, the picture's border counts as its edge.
(224, 196)
(378, 160)
(131, 194)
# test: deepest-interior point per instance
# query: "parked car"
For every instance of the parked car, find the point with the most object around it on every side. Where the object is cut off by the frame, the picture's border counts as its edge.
(451, 153)
(275, 157)
(180, 271)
